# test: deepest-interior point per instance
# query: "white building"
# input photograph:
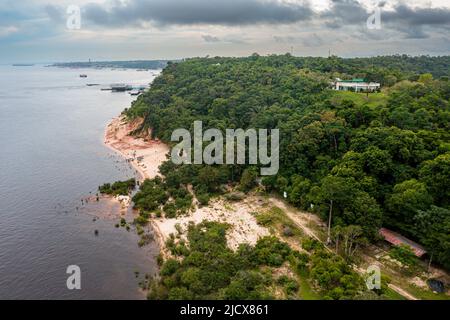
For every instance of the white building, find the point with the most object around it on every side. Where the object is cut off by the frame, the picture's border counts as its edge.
(356, 85)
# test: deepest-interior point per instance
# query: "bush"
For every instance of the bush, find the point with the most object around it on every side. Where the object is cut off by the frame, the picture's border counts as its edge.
(118, 188)
(170, 210)
(248, 179)
(335, 277)
(311, 244)
(271, 251)
(302, 263)
(160, 259)
(404, 254)
(140, 221)
(234, 196)
(151, 195)
(291, 287)
(246, 285)
(208, 269)
(180, 294)
(145, 239)
(264, 219)
(169, 267)
(203, 198)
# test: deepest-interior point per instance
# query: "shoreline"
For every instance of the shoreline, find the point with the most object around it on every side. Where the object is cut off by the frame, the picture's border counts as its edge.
(146, 155)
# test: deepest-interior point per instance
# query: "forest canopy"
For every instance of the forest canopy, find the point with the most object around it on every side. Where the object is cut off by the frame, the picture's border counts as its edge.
(381, 159)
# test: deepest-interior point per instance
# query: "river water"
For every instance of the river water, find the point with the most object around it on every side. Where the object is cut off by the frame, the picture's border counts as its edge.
(52, 156)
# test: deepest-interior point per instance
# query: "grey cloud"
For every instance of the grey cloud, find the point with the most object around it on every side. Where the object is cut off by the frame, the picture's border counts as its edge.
(409, 21)
(209, 38)
(55, 13)
(237, 39)
(284, 39)
(344, 12)
(212, 12)
(413, 21)
(308, 40)
(415, 33)
(313, 41)
(418, 16)
(348, 15)
(226, 39)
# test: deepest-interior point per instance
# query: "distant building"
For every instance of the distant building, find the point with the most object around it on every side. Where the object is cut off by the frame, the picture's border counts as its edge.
(356, 85)
(397, 239)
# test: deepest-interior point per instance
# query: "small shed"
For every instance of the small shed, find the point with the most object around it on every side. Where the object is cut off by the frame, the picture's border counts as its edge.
(397, 239)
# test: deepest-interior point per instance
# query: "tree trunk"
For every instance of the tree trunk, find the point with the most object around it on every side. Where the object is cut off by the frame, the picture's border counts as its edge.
(329, 222)
(337, 245)
(335, 143)
(346, 245)
(429, 263)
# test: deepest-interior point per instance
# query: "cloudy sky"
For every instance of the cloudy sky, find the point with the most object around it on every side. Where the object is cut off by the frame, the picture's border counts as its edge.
(36, 30)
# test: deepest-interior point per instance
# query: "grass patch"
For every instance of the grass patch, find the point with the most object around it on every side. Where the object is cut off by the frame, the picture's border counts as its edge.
(374, 100)
(306, 291)
(277, 219)
(426, 294)
(393, 295)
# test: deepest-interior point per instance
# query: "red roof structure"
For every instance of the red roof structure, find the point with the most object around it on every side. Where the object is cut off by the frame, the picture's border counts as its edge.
(397, 239)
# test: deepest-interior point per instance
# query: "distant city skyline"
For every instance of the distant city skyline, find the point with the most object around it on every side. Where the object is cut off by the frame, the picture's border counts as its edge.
(36, 31)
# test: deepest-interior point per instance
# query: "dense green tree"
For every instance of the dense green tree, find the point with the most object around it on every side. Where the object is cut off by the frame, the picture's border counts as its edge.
(123, 188)
(433, 226)
(246, 285)
(363, 159)
(208, 269)
(406, 199)
(436, 174)
(298, 193)
(335, 277)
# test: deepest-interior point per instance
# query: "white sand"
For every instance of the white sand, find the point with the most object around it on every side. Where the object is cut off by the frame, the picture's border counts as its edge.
(243, 225)
(147, 155)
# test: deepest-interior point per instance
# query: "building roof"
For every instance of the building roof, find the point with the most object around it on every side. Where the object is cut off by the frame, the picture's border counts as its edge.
(354, 80)
(397, 239)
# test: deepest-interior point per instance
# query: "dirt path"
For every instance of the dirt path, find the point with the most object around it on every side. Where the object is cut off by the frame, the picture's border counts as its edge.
(402, 292)
(302, 219)
(146, 156)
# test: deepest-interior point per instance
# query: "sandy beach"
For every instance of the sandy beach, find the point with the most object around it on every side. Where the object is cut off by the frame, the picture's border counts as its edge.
(243, 225)
(146, 155)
